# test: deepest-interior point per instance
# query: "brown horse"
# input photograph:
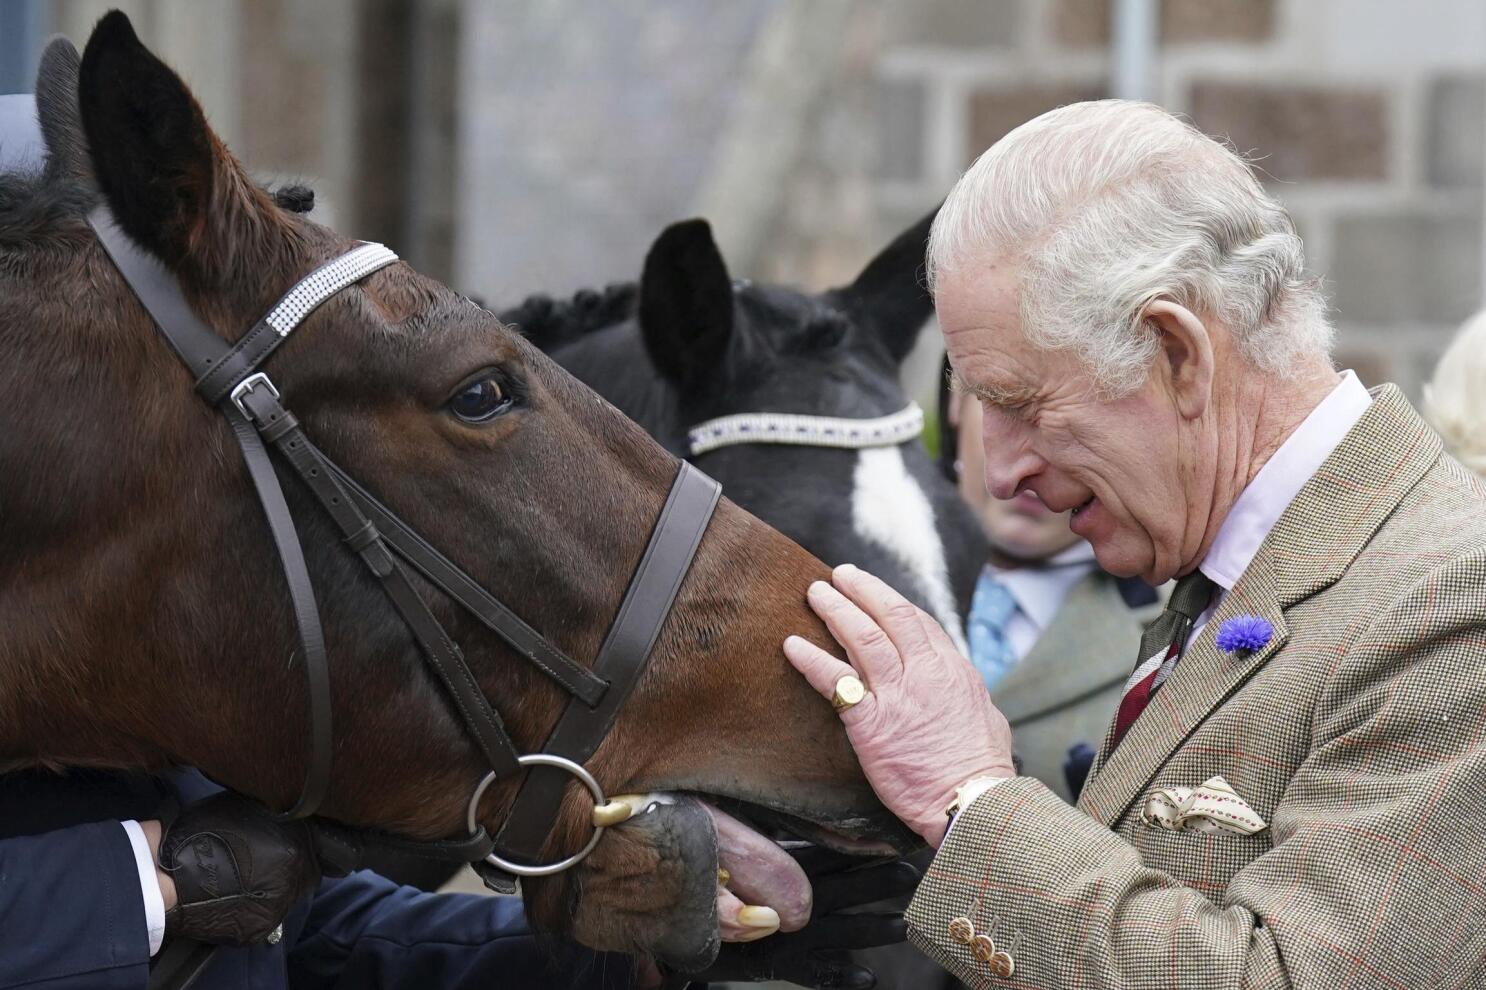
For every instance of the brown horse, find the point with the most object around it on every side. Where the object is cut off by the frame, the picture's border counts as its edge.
(144, 621)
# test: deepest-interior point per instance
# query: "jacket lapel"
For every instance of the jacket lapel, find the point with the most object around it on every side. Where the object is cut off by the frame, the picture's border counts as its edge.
(1311, 546)
(1203, 679)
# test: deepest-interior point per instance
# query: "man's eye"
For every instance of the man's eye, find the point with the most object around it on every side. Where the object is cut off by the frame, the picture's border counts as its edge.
(480, 402)
(1014, 410)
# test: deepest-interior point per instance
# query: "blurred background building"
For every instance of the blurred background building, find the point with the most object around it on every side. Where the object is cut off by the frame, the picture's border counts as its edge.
(510, 146)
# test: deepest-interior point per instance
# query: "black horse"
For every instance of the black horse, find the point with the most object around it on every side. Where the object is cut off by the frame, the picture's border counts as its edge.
(688, 344)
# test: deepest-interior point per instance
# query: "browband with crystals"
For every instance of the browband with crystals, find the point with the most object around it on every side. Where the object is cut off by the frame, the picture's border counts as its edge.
(809, 431)
(324, 282)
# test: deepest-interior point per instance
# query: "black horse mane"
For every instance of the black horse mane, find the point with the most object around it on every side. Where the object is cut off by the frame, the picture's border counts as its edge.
(551, 323)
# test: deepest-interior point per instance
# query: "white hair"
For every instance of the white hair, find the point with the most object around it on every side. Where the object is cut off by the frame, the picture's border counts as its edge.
(1111, 205)
(1455, 397)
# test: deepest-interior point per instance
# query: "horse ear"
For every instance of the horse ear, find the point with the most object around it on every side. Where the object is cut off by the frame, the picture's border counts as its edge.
(56, 111)
(171, 184)
(890, 296)
(686, 302)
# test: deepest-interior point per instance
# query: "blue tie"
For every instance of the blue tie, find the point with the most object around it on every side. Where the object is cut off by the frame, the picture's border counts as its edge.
(991, 608)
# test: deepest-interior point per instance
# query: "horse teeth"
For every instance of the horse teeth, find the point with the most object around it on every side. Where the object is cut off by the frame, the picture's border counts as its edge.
(616, 812)
(622, 807)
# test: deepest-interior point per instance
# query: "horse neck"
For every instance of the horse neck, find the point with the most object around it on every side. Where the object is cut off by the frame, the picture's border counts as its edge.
(122, 561)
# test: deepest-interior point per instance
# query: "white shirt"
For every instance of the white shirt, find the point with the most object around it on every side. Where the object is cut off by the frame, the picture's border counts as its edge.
(149, 886)
(1261, 504)
(1039, 593)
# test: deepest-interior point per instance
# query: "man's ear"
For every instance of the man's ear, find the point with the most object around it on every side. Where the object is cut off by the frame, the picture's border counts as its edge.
(686, 303)
(169, 181)
(1187, 354)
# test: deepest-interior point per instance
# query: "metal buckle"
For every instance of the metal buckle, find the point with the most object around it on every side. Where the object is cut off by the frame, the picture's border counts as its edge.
(546, 870)
(247, 385)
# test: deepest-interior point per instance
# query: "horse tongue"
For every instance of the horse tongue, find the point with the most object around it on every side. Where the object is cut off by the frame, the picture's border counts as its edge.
(762, 873)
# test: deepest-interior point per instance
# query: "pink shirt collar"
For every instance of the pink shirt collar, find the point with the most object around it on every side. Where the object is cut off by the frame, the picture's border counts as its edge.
(1278, 482)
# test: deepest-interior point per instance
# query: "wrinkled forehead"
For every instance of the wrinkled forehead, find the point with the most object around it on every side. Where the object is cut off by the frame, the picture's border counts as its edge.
(979, 311)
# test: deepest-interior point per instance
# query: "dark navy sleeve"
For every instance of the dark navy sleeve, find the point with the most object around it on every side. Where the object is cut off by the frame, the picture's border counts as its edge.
(365, 931)
(71, 911)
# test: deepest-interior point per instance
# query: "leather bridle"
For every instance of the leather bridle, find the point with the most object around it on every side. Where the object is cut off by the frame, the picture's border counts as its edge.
(229, 377)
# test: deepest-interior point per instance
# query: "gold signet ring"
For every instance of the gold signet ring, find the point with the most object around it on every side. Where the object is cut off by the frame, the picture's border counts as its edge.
(849, 691)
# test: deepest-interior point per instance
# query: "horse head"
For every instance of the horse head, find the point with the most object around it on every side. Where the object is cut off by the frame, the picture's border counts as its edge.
(688, 344)
(146, 620)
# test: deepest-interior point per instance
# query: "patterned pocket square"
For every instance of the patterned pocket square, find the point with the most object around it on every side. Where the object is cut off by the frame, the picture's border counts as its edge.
(1211, 807)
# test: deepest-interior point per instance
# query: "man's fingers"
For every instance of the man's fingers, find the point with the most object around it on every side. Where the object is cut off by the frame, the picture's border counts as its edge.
(898, 617)
(818, 667)
(870, 648)
(824, 671)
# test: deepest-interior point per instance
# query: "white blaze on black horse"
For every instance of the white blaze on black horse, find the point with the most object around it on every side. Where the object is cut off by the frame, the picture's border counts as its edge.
(144, 620)
(687, 344)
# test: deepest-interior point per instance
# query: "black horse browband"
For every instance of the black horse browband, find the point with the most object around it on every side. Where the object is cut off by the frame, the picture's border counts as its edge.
(228, 377)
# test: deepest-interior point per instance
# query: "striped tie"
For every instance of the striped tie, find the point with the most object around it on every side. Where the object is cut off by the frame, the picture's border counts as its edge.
(1161, 647)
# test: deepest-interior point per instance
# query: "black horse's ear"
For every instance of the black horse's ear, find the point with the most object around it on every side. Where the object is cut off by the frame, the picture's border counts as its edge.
(890, 296)
(686, 302)
(165, 175)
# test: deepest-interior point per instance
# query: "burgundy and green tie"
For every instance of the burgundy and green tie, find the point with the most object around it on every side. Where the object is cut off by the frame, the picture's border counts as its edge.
(1161, 648)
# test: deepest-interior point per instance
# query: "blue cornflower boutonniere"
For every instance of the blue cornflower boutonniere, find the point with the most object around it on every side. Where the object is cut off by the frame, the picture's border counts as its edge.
(1244, 634)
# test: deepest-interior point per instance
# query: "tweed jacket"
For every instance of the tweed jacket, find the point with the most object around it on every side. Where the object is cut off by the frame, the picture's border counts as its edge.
(1063, 692)
(1357, 733)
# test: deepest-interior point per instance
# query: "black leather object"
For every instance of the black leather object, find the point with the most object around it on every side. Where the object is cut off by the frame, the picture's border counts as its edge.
(237, 870)
(200, 348)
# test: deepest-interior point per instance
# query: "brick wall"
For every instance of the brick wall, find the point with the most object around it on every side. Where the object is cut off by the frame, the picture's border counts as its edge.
(1365, 117)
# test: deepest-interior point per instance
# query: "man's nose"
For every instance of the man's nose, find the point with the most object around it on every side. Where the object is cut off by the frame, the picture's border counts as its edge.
(1009, 461)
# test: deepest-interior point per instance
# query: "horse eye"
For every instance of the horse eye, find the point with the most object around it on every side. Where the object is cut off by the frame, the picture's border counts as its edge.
(480, 402)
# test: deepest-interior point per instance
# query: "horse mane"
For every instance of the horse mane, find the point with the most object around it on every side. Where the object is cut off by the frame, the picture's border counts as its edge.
(551, 323)
(31, 208)
(35, 206)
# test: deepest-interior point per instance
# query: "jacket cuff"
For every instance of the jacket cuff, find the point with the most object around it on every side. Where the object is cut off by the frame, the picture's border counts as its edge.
(996, 870)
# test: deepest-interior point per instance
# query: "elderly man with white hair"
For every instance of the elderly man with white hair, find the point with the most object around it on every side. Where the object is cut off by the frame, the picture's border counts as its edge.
(1291, 791)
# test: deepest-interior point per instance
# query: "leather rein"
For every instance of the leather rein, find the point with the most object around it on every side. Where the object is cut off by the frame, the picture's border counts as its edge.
(229, 378)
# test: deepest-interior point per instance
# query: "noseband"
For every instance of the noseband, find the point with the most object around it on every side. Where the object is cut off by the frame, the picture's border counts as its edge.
(228, 377)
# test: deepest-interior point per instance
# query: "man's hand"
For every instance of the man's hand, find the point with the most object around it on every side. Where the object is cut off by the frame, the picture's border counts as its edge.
(927, 724)
(236, 870)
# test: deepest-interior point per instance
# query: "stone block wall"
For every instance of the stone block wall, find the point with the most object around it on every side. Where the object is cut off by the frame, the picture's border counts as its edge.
(1365, 118)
